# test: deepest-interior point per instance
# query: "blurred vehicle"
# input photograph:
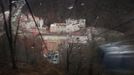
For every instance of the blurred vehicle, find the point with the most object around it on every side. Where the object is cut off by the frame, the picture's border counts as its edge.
(118, 58)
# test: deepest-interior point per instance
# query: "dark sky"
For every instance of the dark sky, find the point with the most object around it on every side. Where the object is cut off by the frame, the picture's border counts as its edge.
(60, 6)
(110, 12)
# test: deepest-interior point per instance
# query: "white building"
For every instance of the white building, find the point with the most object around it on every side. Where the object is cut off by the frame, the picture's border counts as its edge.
(71, 25)
(79, 22)
(58, 27)
(27, 22)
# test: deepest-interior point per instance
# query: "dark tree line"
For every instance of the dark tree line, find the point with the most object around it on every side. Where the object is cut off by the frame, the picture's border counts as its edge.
(10, 27)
